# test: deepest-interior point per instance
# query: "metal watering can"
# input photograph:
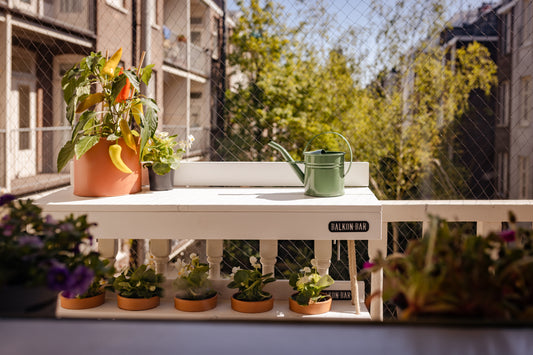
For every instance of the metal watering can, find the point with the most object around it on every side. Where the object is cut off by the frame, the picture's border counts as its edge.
(324, 170)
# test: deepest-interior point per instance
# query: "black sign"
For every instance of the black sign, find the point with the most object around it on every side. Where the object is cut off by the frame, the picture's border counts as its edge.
(341, 295)
(348, 226)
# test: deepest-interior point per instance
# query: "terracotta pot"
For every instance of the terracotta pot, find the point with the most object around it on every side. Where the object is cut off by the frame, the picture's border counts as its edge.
(82, 303)
(195, 305)
(137, 304)
(252, 306)
(315, 308)
(160, 182)
(94, 175)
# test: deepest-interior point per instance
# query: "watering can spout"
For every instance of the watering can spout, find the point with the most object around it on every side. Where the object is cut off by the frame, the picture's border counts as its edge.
(289, 159)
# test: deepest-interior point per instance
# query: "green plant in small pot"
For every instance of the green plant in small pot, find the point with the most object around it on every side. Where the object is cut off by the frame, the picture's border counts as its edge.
(452, 274)
(309, 284)
(162, 155)
(138, 289)
(251, 298)
(194, 292)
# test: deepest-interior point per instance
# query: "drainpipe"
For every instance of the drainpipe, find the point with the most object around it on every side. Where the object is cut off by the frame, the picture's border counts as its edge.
(146, 37)
(7, 104)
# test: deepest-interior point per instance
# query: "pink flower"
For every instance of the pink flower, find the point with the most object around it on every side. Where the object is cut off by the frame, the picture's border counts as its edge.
(508, 235)
(368, 265)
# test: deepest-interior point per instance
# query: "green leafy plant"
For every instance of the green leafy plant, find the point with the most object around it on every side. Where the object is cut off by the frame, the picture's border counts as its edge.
(250, 283)
(309, 285)
(192, 282)
(452, 273)
(141, 282)
(161, 154)
(38, 250)
(104, 101)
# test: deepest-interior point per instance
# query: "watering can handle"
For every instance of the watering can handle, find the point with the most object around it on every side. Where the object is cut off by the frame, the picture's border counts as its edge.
(340, 135)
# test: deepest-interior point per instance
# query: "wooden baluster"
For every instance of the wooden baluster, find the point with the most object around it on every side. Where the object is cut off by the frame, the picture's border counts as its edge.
(376, 280)
(160, 250)
(323, 256)
(108, 249)
(214, 251)
(268, 250)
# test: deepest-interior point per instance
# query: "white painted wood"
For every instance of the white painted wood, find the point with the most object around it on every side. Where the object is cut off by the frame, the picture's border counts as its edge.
(484, 228)
(160, 250)
(214, 252)
(108, 249)
(376, 283)
(268, 250)
(255, 174)
(323, 256)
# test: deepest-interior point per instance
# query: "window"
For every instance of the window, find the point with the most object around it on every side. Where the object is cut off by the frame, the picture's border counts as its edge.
(525, 100)
(523, 178)
(507, 27)
(153, 13)
(502, 166)
(71, 6)
(24, 117)
(505, 100)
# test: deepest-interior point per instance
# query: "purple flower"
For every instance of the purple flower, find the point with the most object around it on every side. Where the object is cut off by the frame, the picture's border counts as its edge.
(79, 281)
(508, 235)
(49, 219)
(8, 230)
(6, 199)
(30, 240)
(58, 277)
(67, 227)
(368, 265)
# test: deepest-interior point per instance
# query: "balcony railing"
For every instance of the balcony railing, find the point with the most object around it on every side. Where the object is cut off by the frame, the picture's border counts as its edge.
(175, 48)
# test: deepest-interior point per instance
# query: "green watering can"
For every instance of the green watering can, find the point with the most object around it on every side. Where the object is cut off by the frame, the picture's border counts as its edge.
(324, 171)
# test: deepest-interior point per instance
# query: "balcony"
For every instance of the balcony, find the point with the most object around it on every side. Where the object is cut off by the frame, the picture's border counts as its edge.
(175, 47)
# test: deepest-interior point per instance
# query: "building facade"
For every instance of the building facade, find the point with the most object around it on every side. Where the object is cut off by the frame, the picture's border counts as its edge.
(41, 39)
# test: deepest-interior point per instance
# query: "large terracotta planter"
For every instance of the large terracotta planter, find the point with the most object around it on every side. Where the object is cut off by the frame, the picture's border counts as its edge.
(315, 308)
(137, 304)
(94, 175)
(252, 306)
(195, 305)
(82, 303)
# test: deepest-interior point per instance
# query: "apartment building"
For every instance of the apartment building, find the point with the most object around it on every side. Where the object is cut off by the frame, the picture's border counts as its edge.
(514, 128)
(41, 39)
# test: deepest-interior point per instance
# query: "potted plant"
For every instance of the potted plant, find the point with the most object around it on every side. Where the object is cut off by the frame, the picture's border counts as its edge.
(251, 298)
(112, 123)
(309, 298)
(450, 274)
(41, 256)
(138, 288)
(194, 292)
(162, 157)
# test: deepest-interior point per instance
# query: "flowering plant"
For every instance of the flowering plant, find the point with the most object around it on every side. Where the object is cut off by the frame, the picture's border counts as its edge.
(140, 282)
(161, 154)
(309, 285)
(192, 282)
(42, 251)
(251, 282)
(452, 273)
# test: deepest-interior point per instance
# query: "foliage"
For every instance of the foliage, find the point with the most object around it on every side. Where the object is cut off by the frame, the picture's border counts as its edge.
(452, 273)
(309, 285)
(141, 282)
(161, 154)
(192, 282)
(104, 101)
(42, 251)
(251, 282)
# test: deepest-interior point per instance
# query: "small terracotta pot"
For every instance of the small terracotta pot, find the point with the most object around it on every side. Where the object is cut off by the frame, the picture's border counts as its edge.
(195, 305)
(315, 308)
(137, 304)
(252, 306)
(94, 175)
(82, 303)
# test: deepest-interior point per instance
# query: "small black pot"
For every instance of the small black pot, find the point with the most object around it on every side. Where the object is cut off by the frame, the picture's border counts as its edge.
(161, 182)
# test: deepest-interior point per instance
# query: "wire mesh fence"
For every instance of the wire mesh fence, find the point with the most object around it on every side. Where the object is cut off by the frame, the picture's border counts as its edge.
(435, 95)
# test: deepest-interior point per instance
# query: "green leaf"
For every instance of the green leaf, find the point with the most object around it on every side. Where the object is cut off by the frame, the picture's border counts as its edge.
(134, 80)
(118, 84)
(146, 73)
(160, 168)
(84, 144)
(65, 155)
